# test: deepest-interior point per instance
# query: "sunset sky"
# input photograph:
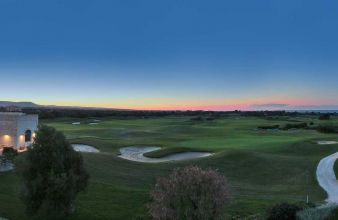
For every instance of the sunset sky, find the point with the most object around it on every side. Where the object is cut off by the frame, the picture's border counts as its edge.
(171, 54)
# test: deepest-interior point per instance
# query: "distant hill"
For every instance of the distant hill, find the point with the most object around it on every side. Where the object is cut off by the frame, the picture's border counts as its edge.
(19, 104)
(33, 105)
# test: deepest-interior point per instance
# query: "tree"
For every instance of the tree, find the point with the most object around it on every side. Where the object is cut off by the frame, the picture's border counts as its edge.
(53, 173)
(328, 129)
(283, 211)
(190, 193)
(325, 116)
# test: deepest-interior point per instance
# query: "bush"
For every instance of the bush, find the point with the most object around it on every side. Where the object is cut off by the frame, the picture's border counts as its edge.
(210, 118)
(268, 127)
(190, 193)
(325, 117)
(283, 211)
(329, 129)
(317, 213)
(199, 118)
(296, 126)
(53, 173)
(333, 214)
(9, 153)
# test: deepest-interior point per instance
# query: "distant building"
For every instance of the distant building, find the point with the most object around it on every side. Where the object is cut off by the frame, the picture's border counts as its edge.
(17, 129)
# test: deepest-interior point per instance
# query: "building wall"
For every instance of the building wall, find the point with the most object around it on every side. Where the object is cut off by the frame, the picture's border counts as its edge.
(13, 127)
(8, 130)
(24, 123)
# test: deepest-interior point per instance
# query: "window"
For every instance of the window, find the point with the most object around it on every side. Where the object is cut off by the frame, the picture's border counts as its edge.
(28, 136)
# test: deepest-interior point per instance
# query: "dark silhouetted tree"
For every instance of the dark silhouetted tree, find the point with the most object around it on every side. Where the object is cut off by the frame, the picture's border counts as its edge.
(324, 117)
(190, 193)
(333, 215)
(283, 211)
(329, 129)
(53, 173)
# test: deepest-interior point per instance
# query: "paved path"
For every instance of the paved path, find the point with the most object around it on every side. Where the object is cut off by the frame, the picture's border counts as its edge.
(327, 178)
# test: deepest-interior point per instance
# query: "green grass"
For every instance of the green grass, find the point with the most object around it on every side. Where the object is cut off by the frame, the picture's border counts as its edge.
(168, 151)
(262, 167)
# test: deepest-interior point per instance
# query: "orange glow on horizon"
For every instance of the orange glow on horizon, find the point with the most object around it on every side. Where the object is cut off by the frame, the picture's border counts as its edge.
(206, 104)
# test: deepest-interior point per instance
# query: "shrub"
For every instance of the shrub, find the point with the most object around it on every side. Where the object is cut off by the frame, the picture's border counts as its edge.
(283, 211)
(329, 129)
(333, 214)
(317, 213)
(268, 127)
(199, 118)
(296, 126)
(53, 173)
(324, 117)
(190, 193)
(9, 153)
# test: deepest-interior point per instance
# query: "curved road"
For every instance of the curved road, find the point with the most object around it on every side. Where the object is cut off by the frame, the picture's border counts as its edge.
(327, 178)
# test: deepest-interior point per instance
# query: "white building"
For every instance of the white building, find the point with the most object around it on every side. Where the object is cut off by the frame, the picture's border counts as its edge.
(17, 129)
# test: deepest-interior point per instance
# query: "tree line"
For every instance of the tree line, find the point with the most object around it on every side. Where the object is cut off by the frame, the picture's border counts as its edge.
(45, 113)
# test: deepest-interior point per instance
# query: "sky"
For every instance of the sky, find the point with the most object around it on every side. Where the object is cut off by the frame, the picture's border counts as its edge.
(171, 54)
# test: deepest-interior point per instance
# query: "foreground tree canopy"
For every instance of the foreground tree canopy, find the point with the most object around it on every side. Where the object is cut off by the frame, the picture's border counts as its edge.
(53, 173)
(190, 193)
(283, 211)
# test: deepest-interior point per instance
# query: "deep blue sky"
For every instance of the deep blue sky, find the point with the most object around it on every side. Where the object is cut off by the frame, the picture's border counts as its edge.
(170, 54)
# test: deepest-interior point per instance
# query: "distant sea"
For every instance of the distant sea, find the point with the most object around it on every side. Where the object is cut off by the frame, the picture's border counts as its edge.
(316, 111)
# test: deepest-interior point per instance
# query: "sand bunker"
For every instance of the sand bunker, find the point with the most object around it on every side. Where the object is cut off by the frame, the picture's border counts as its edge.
(85, 148)
(93, 123)
(76, 123)
(326, 142)
(136, 153)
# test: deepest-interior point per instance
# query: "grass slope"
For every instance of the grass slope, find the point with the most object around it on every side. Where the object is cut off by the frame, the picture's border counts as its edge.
(262, 167)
